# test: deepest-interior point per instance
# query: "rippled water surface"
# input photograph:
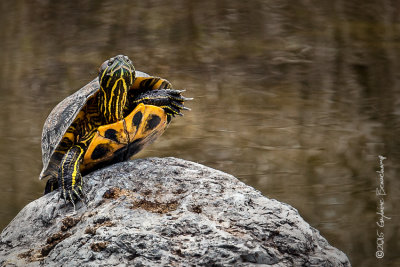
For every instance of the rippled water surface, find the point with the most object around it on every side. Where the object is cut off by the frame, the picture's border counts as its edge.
(296, 100)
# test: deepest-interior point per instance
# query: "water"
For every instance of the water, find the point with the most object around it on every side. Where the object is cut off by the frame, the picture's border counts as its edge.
(296, 100)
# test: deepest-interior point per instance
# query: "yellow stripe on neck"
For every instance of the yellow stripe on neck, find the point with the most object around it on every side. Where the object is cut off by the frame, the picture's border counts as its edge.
(76, 167)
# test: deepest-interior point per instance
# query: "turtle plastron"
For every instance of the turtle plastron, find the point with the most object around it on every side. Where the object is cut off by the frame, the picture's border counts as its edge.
(120, 140)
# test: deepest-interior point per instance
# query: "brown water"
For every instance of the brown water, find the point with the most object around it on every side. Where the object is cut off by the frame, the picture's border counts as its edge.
(297, 100)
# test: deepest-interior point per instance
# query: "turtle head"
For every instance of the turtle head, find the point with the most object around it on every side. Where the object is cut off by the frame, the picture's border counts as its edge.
(118, 69)
(116, 76)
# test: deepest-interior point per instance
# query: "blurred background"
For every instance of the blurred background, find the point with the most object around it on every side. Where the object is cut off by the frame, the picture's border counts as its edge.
(295, 98)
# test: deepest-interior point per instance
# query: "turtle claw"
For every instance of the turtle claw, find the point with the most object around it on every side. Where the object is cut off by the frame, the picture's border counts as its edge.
(181, 98)
(79, 194)
(176, 92)
(170, 100)
(70, 199)
(187, 98)
(179, 105)
(72, 195)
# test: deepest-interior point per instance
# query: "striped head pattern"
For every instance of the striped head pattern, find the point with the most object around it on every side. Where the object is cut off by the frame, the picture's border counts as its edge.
(116, 76)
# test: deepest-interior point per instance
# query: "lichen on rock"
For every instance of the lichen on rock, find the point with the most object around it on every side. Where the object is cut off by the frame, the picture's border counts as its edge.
(164, 212)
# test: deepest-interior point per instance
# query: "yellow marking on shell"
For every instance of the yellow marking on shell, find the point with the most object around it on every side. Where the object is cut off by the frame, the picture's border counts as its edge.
(126, 133)
(146, 110)
(88, 162)
(119, 127)
(154, 85)
(137, 82)
(69, 136)
(130, 128)
(128, 137)
(158, 83)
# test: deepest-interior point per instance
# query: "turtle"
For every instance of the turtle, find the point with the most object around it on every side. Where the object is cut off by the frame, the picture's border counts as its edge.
(107, 121)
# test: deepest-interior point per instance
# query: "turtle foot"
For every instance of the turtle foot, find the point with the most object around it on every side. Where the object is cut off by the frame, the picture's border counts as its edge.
(170, 100)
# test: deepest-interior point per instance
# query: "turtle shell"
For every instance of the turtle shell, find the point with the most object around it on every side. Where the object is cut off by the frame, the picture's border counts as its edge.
(62, 116)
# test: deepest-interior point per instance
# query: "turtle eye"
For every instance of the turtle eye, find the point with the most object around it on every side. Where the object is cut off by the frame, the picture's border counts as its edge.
(127, 59)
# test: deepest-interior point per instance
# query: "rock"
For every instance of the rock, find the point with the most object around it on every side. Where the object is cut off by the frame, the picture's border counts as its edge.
(164, 212)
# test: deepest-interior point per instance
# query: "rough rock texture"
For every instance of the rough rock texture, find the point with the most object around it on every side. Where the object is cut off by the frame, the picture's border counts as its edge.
(164, 212)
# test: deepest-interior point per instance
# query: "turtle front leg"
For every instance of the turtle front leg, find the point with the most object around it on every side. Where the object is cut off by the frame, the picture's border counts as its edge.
(170, 100)
(69, 176)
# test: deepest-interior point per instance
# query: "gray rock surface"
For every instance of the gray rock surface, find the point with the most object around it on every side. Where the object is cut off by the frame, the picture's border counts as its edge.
(164, 212)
